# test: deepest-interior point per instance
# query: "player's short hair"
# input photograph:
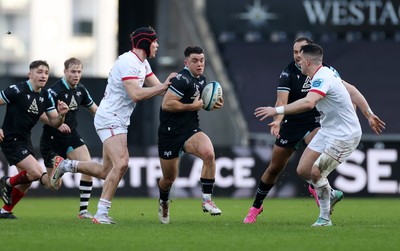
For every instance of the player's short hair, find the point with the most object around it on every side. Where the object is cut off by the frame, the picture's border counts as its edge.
(314, 51)
(193, 49)
(303, 39)
(72, 61)
(142, 38)
(37, 63)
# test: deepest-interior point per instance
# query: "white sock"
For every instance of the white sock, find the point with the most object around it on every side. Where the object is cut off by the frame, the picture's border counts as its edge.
(333, 193)
(206, 196)
(324, 200)
(103, 207)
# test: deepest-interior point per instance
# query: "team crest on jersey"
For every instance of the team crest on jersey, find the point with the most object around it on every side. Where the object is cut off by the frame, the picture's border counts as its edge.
(78, 93)
(201, 82)
(41, 99)
(317, 83)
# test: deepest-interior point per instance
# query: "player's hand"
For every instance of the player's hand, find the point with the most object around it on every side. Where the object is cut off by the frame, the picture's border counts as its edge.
(265, 112)
(197, 104)
(64, 128)
(219, 104)
(1, 135)
(376, 124)
(62, 108)
(168, 82)
(275, 127)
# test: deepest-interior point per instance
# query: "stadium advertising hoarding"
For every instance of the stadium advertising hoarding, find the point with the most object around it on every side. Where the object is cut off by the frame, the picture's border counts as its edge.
(315, 16)
(372, 170)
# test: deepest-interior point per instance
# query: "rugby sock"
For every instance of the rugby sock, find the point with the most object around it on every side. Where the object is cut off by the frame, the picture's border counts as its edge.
(16, 196)
(207, 188)
(20, 178)
(333, 193)
(164, 195)
(71, 165)
(262, 192)
(207, 185)
(323, 193)
(103, 207)
(74, 165)
(85, 190)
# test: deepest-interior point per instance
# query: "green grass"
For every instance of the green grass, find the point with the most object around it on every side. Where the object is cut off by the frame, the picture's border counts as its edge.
(51, 224)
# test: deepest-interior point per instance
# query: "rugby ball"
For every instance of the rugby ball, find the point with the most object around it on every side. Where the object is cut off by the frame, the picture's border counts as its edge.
(210, 95)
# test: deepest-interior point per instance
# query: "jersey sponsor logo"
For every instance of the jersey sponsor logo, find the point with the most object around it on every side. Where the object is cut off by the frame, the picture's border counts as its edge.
(196, 93)
(180, 76)
(52, 92)
(15, 88)
(33, 108)
(284, 74)
(317, 83)
(307, 85)
(73, 105)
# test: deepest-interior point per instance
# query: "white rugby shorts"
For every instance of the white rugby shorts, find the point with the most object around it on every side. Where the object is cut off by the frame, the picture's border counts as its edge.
(340, 150)
(106, 133)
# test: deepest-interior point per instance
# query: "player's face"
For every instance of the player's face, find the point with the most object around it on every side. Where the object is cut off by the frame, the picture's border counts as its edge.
(153, 49)
(303, 63)
(296, 50)
(38, 77)
(195, 63)
(73, 75)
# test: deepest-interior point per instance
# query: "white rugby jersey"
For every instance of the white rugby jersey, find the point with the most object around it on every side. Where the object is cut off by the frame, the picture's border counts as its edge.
(116, 107)
(338, 117)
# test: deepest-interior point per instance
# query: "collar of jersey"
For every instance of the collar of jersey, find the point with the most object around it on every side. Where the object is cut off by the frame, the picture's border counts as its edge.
(65, 83)
(29, 84)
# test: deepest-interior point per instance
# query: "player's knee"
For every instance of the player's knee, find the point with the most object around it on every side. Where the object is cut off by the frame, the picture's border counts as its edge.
(208, 155)
(302, 173)
(167, 182)
(35, 175)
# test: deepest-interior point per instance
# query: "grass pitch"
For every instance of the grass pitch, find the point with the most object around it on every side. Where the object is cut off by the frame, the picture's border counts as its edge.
(51, 224)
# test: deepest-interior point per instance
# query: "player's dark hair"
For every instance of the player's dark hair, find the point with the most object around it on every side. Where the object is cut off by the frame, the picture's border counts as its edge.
(35, 64)
(303, 39)
(71, 61)
(193, 49)
(314, 50)
(142, 38)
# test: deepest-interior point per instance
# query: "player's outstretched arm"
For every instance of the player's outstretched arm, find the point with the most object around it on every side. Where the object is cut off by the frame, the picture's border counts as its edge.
(359, 100)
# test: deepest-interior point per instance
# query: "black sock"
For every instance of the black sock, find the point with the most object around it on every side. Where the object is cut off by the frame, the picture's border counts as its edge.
(164, 195)
(207, 185)
(262, 192)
